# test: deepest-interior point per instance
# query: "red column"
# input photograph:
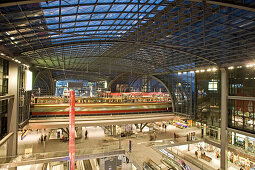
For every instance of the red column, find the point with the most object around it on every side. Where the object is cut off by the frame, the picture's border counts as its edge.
(72, 130)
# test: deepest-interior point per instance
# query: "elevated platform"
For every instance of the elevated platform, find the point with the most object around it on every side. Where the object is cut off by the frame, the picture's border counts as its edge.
(45, 110)
(62, 122)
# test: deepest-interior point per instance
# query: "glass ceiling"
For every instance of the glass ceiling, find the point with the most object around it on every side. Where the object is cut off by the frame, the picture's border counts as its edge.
(84, 20)
(115, 36)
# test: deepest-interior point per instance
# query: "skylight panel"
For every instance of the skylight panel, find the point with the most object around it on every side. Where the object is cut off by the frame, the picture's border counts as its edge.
(67, 25)
(112, 15)
(51, 12)
(102, 8)
(108, 22)
(83, 17)
(51, 27)
(123, 15)
(94, 22)
(104, 1)
(92, 28)
(83, 23)
(150, 8)
(98, 16)
(68, 18)
(87, 1)
(50, 4)
(85, 9)
(68, 10)
(117, 7)
(68, 30)
(69, 2)
(129, 8)
(80, 29)
(52, 20)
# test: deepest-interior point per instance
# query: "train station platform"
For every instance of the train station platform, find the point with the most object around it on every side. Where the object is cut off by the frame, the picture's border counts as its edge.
(98, 145)
(81, 121)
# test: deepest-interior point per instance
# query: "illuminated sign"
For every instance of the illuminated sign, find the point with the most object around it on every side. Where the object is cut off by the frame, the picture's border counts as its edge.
(28, 80)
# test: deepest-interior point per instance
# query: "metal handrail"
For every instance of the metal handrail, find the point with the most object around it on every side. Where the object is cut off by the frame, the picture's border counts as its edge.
(6, 138)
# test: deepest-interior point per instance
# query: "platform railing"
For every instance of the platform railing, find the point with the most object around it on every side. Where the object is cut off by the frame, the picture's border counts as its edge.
(45, 157)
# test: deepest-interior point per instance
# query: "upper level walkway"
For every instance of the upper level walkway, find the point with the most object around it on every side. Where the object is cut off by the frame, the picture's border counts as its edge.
(62, 122)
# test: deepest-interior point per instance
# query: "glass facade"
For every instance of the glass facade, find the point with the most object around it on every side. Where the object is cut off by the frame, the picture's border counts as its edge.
(4, 71)
(241, 81)
(208, 100)
(182, 88)
(24, 98)
(242, 112)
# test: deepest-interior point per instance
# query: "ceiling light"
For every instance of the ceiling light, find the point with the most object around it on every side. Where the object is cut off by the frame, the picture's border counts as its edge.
(2, 53)
(197, 71)
(231, 68)
(191, 72)
(7, 33)
(179, 72)
(202, 71)
(209, 70)
(184, 72)
(214, 69)
(12, 38)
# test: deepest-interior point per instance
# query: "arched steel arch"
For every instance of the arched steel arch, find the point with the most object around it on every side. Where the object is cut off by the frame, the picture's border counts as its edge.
(168, 90)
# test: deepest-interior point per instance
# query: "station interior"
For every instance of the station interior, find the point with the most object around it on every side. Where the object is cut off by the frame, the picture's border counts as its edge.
(127, 85)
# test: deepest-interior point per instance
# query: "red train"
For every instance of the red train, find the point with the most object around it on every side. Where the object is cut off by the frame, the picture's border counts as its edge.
(99, 108)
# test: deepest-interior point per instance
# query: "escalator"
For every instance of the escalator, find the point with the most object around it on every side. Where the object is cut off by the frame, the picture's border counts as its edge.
(151, 166)
(87, 165)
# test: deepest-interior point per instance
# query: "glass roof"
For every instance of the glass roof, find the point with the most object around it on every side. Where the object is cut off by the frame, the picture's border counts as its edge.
(115, 36)
(103, 19)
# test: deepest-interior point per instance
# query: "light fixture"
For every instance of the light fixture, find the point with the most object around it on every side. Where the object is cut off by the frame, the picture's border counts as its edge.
(7, 33)
(191, 72)
(2, 53)
(231, 68)
(12, 38)
(208, 70)
(179, 72)
(197, 71)
(28, 80)
(184, 72)
(214, 69)
(202, 71)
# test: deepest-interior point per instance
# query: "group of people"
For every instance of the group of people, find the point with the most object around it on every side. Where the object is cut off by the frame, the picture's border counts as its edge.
(43, 138)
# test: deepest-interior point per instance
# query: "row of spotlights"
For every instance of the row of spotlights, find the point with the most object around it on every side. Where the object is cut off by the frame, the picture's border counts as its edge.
(13, 59)
(248, 66)
(201, 71)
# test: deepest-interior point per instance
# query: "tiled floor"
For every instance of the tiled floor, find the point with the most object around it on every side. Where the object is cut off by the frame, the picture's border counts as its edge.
(141, 148)
(214, 163)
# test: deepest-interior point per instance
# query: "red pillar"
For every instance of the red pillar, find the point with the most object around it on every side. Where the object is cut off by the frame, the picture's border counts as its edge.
(72, 130)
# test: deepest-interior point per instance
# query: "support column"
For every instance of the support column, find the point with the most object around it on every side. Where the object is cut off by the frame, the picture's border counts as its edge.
(12, 117)
(224, 120)
(101, 164)
(218, 133)
(246, 145)
(204, 126)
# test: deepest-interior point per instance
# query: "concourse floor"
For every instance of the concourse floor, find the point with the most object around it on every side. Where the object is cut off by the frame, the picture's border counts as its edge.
(141, 150)
(214, 163)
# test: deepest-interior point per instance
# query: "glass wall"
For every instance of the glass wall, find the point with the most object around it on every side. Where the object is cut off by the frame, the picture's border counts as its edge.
(208, 100)
(182, 89)
(241, 81)
(243, 142)
(4, 71)
(242, 112)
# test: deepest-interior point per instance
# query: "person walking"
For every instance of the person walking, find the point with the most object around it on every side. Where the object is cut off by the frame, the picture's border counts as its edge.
(86, 134)
(196, 153)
